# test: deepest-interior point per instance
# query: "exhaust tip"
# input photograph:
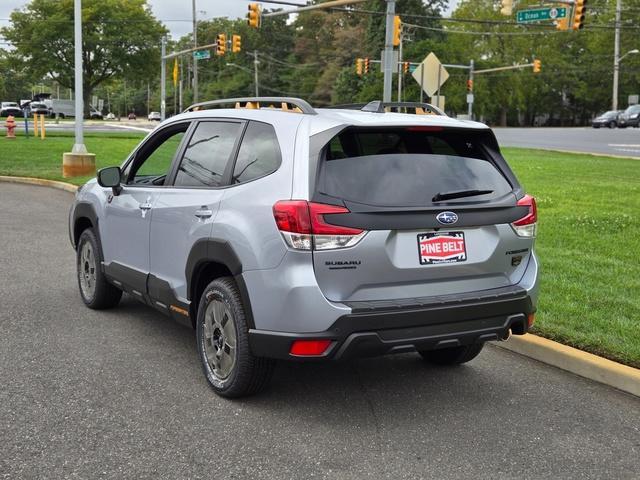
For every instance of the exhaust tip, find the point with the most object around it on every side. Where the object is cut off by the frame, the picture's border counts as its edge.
(506, 335)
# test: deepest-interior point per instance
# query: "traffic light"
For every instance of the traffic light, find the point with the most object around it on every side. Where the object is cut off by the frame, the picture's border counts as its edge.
(578, 14)
(236, 43)
(537, 66)
(562, 24)
(469, 85)
(405, 67)
(359, 63)
(397, 30)
(366, 65)
(221, 44)
(507, 7)
(253, 17)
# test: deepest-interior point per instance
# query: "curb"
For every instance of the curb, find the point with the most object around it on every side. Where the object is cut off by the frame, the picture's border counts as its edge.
(576, 361)
(67, 187)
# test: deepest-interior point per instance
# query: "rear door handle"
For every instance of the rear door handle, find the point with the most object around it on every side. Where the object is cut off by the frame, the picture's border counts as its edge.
(145, 206)
(203, 213)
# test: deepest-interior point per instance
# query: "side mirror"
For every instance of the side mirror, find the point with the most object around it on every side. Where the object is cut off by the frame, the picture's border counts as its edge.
(110, 177)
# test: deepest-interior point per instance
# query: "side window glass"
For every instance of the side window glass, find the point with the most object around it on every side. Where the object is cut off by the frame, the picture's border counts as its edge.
(154, 161)
(207, 154)
(259, 153)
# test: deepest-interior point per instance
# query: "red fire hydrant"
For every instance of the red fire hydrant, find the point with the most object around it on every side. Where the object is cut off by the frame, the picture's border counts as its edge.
(11, 126)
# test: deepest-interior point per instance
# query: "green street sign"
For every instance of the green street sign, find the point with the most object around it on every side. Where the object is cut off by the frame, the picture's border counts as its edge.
(525, 16)
(202, 55)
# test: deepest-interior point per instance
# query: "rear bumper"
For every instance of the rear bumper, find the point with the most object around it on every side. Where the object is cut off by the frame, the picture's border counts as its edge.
(381, 327)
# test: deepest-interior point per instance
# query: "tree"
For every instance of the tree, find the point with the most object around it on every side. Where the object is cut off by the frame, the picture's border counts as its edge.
(119, 36)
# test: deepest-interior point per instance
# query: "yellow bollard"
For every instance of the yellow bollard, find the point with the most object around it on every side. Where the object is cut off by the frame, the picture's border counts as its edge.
(42, 129)
(35, 124)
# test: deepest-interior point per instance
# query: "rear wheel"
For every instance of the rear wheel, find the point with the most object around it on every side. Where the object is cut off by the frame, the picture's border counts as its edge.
(612, 125)
(223, 343)
(452, 355)
(95, 290)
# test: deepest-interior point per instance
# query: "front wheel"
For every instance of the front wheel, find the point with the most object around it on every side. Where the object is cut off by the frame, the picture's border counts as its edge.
(452, 355)
(223, 343)
(612, 124)
(95, 290)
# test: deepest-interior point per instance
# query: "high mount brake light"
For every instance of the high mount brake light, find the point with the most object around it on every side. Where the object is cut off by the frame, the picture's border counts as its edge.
(527, 225)
(303, 226)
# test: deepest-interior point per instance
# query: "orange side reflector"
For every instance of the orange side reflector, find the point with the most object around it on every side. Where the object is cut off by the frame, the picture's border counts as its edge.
(530, 319)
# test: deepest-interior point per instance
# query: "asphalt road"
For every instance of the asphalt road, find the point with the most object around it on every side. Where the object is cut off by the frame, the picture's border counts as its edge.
(619, 141)
(119, 394)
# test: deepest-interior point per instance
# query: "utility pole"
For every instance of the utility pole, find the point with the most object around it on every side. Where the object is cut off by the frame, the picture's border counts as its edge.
(195, 60)
(616, 56)
(470, 112)
(255, 71)
(163, 80)
(387, 68)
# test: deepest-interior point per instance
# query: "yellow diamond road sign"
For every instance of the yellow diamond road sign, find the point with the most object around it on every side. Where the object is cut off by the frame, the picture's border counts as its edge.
(430, 74)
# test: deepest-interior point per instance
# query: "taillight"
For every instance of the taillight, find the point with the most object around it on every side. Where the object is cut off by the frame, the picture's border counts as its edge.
(527, 225)
(309, 347)
(303, 226)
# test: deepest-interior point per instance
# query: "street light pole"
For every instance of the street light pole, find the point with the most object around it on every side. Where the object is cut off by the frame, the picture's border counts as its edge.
(79, 146)
(195, 60)
(163, 79)
(78, 162)
(616, 76)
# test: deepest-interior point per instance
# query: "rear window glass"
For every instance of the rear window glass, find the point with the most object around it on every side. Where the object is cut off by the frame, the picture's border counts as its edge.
(409, 166)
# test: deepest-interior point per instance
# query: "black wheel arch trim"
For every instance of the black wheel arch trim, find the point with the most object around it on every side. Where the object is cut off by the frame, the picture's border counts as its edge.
(84, 210)
(215, 250)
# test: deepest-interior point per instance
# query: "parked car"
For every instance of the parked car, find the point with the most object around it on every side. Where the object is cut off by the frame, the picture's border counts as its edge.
(10, 108)
(154, 117)
(132, 116)
(607, 119)
(110, 116)
(313, 234)
(39, 108)
(630, 117)
(95, 114)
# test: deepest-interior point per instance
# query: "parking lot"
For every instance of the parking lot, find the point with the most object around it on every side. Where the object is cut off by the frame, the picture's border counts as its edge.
(119, 394)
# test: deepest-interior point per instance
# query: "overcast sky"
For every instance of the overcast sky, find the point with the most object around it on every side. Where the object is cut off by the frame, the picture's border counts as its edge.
(176, 15)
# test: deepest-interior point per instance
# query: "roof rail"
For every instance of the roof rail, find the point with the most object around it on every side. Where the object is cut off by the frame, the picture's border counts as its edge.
(290, 104)
(419, 108)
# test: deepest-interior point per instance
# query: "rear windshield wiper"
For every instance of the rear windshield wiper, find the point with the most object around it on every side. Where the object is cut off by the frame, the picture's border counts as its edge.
(439, 197)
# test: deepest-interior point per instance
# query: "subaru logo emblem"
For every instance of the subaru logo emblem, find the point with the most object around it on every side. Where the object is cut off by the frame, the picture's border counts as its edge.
(447, 218)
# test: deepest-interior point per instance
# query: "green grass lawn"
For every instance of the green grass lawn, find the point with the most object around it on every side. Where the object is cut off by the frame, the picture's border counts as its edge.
(588, 239)
(588, 245)
(33, 157)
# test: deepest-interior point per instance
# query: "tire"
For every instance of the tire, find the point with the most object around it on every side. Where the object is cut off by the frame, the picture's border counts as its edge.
(223, 343)
(452, 355)
(596, 126)
(612, 125)
(96, 292)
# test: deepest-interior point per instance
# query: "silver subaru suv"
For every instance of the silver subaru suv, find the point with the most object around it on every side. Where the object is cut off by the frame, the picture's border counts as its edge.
(281, 231)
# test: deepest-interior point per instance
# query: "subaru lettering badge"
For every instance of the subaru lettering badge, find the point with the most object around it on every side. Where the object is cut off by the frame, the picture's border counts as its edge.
(447, 218)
